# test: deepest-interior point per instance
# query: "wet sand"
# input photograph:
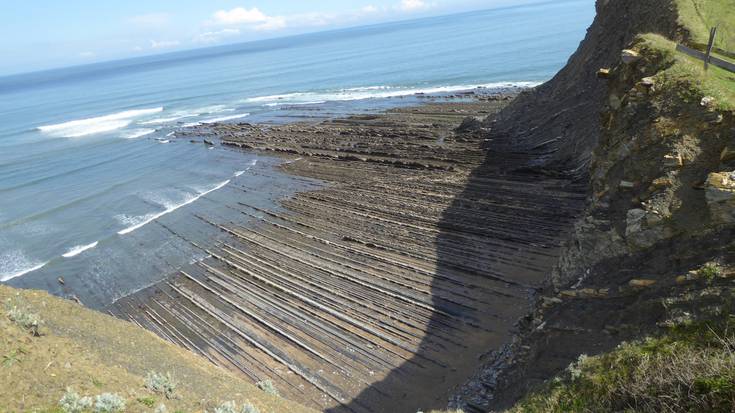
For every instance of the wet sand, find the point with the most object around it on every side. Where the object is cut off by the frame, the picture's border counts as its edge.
(384, 289)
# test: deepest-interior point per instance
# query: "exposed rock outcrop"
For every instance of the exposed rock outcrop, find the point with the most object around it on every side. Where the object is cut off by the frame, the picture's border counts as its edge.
(568, 106)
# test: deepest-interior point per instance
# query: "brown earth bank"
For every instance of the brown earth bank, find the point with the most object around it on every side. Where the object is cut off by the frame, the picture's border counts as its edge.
(384, 290)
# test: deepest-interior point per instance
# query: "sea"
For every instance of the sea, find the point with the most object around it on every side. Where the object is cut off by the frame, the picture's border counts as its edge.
(98, 198)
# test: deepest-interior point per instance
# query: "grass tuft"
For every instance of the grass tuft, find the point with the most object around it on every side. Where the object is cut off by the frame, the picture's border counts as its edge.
(161, 383)
(109, 403)
(268, 387)
(72, 402)
(23, 317)
(710, 272)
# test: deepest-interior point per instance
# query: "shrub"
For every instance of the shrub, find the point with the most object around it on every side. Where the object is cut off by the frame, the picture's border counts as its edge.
(72, 402)
(268, 387)
(161, 409)
(249, 408)
(159, 383)
(23, 317)
(109, 403)
(710, 272)
(226, 407)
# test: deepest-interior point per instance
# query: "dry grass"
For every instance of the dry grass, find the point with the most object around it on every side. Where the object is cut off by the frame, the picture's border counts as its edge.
(94, 354)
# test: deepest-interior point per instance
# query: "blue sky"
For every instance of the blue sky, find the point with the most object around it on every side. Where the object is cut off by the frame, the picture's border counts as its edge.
(42, 34)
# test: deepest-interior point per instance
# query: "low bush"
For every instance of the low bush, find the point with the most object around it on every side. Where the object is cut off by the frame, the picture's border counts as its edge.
(72, 402)
(109, 403)
(160, 383)
(268, 387)
(24, 317)
(690, 369)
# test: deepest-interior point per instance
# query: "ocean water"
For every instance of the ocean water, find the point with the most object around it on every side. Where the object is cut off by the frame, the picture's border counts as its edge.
(94, 189)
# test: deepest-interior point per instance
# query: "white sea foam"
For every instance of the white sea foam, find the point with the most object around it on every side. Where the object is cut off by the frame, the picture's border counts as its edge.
(373, 92)
(174, 118)
(226, 118)
(100, 124)
(141, 221)
(137, 133)
(207, 110)
(164, 141)
(79, 249)
(239, 173)
(15, 264)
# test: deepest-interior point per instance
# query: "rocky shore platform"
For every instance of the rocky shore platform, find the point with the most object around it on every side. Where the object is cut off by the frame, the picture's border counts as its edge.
(386, 288)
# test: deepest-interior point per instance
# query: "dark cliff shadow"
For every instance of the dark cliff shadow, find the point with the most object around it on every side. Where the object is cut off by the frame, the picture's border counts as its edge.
(497, 242)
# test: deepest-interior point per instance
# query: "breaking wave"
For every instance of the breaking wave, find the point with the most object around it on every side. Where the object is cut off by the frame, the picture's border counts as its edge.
(79, 249)
(15, 264)
(100, 124)
(141, 221)
(374, 92)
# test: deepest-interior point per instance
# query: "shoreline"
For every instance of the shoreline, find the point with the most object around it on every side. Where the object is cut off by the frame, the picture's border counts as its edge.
(403, 270)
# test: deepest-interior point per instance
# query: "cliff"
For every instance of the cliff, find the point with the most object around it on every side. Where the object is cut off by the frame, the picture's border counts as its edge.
(558, 123)
(653, 136)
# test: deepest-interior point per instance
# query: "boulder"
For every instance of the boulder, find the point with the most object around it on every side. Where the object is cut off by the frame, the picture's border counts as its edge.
(648, 82)
(630, 56)
(603, 73)
(641, 283)
(470, 124)
(728, 154)
(661, 183)
(720, 195)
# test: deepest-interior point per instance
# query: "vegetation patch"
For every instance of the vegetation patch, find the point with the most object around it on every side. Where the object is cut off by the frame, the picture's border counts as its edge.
(691, 368)
(686, 76)
(82, 354)
(268, 387)
(710, 272)
(23, 316)
(698, 16)
(161, 383)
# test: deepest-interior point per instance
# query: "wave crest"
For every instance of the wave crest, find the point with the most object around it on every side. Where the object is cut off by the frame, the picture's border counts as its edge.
(100, 124)
(374, 92)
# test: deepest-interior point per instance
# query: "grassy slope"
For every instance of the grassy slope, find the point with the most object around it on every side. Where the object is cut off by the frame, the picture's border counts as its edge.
(692, 369)
(688, 75)
(94, 353)
(700, 15)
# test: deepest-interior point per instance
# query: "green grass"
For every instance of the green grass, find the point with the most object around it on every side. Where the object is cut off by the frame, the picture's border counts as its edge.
(687, 75)
(698, 16)
(692, 368)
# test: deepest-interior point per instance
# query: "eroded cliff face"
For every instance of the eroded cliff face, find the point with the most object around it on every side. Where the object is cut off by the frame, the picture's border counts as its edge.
(558, 122)
(656, 243)
(664, 168)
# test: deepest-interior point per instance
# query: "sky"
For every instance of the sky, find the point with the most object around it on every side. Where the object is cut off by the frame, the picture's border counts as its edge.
(43, 34)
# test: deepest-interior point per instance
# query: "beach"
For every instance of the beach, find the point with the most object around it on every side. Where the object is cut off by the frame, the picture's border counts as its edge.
(411, 262)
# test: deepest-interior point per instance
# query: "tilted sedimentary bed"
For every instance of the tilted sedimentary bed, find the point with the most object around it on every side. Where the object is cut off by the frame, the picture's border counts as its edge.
(382, 290)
